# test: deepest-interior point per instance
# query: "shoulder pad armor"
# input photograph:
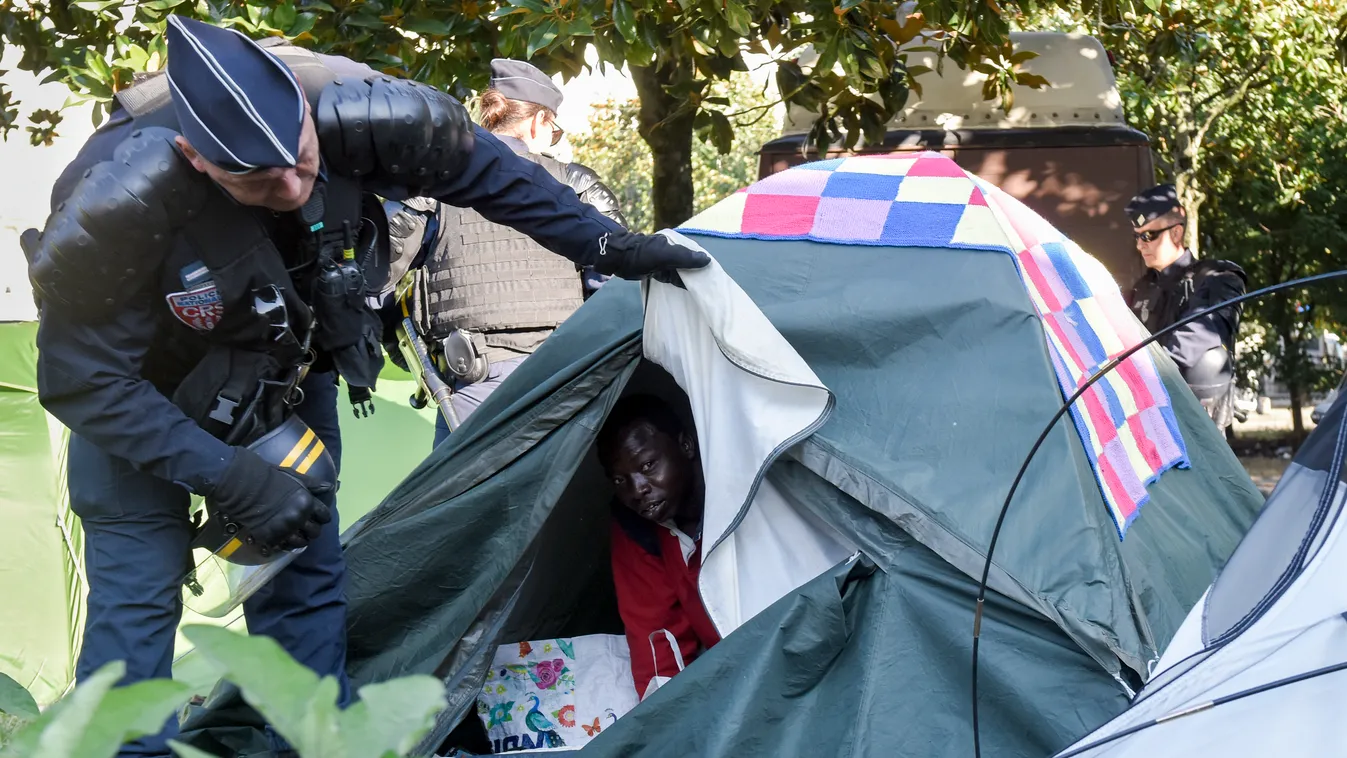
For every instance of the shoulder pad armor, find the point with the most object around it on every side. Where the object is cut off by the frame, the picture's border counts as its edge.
(112, 233)
(394, 132)
(586, 184)
(1208, 266)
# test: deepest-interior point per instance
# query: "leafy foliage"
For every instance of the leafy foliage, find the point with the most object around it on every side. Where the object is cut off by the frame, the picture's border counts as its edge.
(387, 721)
(96, 718)
(675, 48)
(624, 164)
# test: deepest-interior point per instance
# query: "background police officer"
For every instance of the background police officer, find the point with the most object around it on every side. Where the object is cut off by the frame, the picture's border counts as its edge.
(200, 279)
(1175, 285)
(488, 293)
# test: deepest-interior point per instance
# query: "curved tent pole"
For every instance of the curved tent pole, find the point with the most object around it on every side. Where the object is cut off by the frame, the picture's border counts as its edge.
(1103, 370)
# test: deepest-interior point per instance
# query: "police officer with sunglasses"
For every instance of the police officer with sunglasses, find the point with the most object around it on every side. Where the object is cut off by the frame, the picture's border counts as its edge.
(1177, 284)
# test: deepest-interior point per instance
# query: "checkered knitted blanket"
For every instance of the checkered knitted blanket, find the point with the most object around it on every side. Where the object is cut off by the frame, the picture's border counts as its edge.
(1125, 421)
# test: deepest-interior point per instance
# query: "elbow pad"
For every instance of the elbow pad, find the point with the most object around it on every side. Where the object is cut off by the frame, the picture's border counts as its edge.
(394, 132)
(112, 233)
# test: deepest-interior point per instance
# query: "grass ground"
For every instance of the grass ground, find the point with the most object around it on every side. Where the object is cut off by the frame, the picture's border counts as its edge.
(8, 725)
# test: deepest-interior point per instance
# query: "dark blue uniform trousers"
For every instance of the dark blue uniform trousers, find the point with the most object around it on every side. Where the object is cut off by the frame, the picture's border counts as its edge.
(136, 550)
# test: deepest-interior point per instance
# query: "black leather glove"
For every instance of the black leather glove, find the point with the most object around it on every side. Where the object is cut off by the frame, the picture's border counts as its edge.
(276, 508)
(632, 256)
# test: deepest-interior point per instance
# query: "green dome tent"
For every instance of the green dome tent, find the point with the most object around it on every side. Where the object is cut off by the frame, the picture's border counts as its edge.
(862, 408)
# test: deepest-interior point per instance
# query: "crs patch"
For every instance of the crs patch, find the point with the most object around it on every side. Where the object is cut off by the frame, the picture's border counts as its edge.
(199, 308)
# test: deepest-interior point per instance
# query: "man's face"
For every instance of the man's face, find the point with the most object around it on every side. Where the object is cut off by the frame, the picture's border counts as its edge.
(651, 471)
(278, 189)
(1165, 244)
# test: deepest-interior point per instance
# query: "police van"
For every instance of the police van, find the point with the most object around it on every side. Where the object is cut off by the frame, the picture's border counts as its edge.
(1065, 150)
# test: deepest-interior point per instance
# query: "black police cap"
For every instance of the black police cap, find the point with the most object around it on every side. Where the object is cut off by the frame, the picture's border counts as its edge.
(237, 104)
(1152, 204)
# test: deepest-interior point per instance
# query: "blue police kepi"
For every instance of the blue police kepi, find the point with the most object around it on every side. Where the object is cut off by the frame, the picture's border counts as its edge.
(202, 282)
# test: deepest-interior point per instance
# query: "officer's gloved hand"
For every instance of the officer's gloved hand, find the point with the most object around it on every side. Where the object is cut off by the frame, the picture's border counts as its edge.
(632, 256)
(275, 508)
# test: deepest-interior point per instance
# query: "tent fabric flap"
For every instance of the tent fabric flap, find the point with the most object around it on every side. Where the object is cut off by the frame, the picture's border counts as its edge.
(752, 397)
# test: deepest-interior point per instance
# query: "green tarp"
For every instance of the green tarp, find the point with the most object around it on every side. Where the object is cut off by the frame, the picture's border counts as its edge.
(501, 534)
(40, 545)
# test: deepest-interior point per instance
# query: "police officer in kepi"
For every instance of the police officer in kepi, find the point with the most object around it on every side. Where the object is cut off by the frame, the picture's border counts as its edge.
(484, 296)
(202, 281)
(1177, 284)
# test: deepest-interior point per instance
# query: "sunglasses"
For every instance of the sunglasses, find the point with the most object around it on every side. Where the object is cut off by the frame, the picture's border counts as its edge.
(1153, 234)
(557, 134)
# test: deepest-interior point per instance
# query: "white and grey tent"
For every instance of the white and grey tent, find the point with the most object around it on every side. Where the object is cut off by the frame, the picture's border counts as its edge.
(1259, 667)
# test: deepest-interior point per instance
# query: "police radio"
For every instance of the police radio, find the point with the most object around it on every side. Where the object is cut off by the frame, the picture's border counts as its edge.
(339, 304)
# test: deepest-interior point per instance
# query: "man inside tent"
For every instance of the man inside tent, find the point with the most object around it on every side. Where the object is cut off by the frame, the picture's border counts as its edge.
(654, 465)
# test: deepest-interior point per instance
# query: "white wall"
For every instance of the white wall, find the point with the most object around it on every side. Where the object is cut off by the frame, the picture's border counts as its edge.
(27, 174)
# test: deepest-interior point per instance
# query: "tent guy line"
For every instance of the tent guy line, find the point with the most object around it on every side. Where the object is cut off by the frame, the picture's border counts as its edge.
(1103, 371)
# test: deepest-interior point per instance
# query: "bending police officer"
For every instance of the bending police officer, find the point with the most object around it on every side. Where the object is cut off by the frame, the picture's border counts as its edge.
(202, 279)
(485, 296)
(1177, 284)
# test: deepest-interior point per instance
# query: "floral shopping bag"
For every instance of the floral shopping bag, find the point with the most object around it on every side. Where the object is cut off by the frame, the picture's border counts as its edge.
(556, 694)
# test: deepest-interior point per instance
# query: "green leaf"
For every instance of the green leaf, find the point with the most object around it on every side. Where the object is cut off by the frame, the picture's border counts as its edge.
(161, 5)
(364, 21)
(534, 5)
(318, 5)
(432, 26)
(95, 720)
(541, 37)
(738, 17)
(282, 16)
(302, 25)
(392, 716)
(130, 712)
(16, 701)
(300, 706)
(1023, 56)
(625, 19)
(722, 132)
(96, 6)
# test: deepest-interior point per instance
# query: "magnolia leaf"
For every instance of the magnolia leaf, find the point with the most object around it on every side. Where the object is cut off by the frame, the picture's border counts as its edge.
(534, 5)
(160, 5)
(96, 6)
(722, 132)
(541, 37)
(431, 26)
(1033, 81)
(625, 19)
(283, 15)
(392, 716)
(16, 701)
(738, 17)
(1023, 56)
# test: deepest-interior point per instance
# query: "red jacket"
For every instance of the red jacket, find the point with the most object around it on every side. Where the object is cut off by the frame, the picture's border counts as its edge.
(658, 591)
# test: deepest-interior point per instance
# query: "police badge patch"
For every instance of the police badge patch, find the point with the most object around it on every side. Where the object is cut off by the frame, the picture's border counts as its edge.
(199, 308)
